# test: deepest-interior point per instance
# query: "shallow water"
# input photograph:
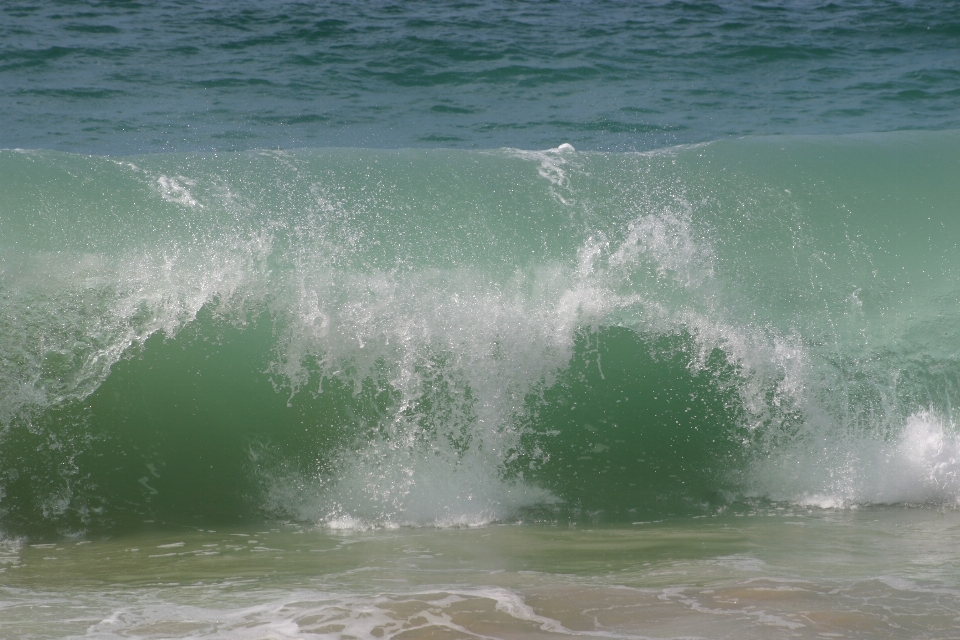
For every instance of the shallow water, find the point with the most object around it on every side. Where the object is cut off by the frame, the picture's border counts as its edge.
(765, 573)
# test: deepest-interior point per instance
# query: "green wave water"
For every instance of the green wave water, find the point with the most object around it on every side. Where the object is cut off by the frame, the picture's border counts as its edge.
(365, 338)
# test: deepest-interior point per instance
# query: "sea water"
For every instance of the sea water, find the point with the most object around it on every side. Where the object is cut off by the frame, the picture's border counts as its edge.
(479, 320)
(781, 572)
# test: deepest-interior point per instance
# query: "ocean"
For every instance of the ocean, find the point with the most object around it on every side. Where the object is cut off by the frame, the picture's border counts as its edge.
(479, 320)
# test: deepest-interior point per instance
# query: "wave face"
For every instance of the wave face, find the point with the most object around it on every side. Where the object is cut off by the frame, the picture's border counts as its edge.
(378, 338)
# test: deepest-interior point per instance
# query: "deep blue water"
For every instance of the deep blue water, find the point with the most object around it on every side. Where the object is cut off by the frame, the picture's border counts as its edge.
(134, 77)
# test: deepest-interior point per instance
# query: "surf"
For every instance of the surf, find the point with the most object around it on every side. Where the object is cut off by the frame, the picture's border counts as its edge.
(379, 338)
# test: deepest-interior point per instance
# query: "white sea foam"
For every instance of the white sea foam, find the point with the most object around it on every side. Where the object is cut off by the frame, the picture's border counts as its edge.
(73, 316)
(149, 614)
(552, 167)
(176, 190)
(921, 464)
(487, 345)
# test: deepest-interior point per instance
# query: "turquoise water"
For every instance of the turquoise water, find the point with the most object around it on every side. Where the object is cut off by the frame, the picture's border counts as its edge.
(522, 320)
(449, 336)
